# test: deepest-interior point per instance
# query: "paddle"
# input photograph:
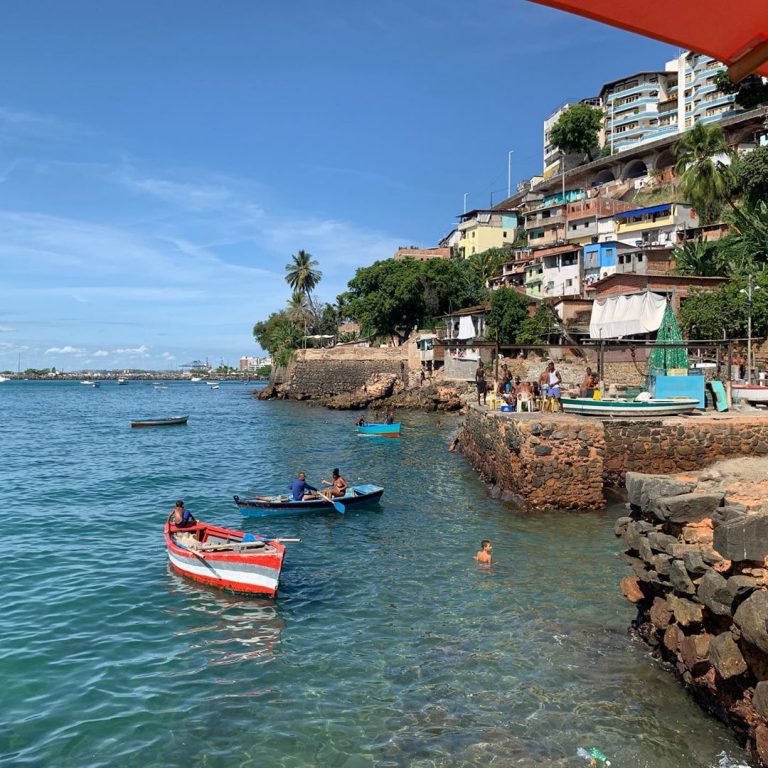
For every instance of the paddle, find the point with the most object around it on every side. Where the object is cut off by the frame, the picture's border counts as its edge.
(337, 505)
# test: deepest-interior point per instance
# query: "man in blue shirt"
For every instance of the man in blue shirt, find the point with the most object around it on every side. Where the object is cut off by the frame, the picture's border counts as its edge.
(300, 490)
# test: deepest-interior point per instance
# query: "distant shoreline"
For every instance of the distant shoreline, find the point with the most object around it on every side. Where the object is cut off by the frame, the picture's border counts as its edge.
(134, 377)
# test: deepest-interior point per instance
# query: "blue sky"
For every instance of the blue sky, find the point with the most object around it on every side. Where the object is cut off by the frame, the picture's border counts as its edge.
(160, 161)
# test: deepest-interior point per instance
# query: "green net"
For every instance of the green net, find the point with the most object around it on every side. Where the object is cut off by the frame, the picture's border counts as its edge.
(664, 358)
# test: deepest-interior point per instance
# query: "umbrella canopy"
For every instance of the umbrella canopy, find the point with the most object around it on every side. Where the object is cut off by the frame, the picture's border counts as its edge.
(664, 358)
(734, 34)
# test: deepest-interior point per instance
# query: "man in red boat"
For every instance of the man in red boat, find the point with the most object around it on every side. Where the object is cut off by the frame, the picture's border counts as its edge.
(301, 490)
(181, 517)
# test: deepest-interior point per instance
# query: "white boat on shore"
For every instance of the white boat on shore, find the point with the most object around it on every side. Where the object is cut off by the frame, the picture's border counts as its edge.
(752, 393)
(673, 406)
(3, 378)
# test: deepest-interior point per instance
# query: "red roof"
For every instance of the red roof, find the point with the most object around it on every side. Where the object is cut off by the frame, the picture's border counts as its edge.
(737, 33)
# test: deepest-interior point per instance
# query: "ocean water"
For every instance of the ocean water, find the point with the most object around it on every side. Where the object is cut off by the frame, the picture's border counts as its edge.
(387, 645)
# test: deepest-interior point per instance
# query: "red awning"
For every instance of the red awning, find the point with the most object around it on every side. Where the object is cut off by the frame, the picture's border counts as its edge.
(735, 34)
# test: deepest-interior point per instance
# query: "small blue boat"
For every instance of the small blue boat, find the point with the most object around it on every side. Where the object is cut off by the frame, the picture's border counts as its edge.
(379, 430)
(356, 496)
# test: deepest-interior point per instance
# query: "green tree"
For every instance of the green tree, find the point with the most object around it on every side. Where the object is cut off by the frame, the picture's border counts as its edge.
(265, 332)
(287, 340)
(509, 310)
(302, 274)
(578, 130)
(705, 182)
(700, 257)
(751, 92)
(751, 174)
(538, 328)
(488, 263)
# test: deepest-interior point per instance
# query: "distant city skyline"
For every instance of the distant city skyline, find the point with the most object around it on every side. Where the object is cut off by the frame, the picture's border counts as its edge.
(157, 169)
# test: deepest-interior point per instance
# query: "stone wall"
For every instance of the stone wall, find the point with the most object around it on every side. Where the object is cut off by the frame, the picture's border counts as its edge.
(558, 460)
(671, 445)
(700, 583)
(538, 463)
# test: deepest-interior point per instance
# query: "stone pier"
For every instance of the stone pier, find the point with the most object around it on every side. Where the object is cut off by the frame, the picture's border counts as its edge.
(543, 460)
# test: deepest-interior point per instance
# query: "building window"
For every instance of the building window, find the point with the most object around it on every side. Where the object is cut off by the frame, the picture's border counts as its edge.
(504, 234)
(639, 257)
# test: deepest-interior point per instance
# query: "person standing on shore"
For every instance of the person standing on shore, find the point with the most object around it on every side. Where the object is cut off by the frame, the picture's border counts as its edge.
(480, 382)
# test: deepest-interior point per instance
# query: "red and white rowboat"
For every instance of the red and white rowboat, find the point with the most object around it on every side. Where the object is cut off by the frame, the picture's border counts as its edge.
(232, 560)
(752, 393)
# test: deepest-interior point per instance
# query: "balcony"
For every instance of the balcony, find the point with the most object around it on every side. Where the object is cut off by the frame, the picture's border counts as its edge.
(541, 222)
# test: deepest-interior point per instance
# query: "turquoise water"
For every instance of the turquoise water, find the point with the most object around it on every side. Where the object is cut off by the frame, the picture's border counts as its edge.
(387, 646)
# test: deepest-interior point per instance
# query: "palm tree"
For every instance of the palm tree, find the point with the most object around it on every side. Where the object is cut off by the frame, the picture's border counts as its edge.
(487, 263)
(302, 274)
(699, 257)
(705, 182)
(299, 311)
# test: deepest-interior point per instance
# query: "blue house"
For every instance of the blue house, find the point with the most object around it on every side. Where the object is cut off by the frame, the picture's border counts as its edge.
(600, 259)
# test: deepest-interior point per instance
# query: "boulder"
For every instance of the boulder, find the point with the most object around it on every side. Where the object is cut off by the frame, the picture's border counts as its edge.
(761, 743)
(744, 538)
(713, 592)
(751, 618)
(694, 564)
(760, 699)
(620, 526)
(686, 507)
(741, 586)
(660, 613)
(630, 588)
(686, 612)
(672, 635)
(643, 490)
(644, 549)
(694, 651)
(661, 542)
(680, 579)
(660, 563)
(726, 657)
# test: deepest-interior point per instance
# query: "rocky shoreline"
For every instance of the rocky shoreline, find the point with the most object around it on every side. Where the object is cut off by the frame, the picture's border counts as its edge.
(698, 549)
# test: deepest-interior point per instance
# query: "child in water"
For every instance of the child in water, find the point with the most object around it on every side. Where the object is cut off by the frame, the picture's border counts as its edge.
(483, 555)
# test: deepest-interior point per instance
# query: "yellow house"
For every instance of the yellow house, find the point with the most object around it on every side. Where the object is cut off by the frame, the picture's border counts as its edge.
(483, 229)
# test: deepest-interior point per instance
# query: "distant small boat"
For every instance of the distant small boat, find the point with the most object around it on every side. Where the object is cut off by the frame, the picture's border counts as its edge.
(261, 506)
(161, 386)
(90, 383)
(195, 378)
(169, 421)
(3, 378)
(214, 386)
(121, 381)
(379, 430)
(232, 560)
(673, 406)
(752, 393)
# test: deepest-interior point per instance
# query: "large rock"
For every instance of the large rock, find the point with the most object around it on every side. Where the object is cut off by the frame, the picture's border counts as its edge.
(662, 542)
(744, 538)
(660, 563)
(630, 588)
(694, 651)
(680, 579)
(713, 592)
(741, 586)
(760, 699)
(660, 613)
(686, 612)
(751, 618)
(694, 564)
(726, 657)
(686, 507)
(643, 490)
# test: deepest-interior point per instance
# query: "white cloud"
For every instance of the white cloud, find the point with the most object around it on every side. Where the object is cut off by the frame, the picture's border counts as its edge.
(169, 356)
(68, 350)
(6, 329)
(101, 353)
(142, 351)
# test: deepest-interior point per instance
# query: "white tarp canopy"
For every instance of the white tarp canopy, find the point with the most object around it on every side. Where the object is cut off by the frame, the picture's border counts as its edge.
(466, 328)
(618, 316)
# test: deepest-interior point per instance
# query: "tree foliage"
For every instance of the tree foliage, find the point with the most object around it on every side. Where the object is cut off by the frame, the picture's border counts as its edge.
(301, 273)
(537, 329)
(751, 92)
(578, 130)
(488, 263)
(751, 175)
(392, 297)
(701, 258)
(508, 312)
(705, 180)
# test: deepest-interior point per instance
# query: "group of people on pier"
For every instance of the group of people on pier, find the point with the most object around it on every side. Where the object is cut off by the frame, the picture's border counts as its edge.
(542, 393)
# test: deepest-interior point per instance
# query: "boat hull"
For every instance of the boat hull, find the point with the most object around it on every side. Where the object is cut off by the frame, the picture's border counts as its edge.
(629, 408)
(233, 566)
(379, 430)
(752, 393)
(173, 421)
(357, 496)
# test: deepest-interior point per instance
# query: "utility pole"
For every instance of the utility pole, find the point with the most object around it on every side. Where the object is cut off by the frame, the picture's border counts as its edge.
(465, 201)
(509, 173)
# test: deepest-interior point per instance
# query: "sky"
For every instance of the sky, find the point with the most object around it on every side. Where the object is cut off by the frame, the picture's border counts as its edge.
(160, 161)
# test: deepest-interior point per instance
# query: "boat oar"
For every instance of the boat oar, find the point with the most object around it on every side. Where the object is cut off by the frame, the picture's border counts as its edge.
(337, 505)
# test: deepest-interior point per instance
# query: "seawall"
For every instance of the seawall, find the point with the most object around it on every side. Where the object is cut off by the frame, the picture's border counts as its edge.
(700, 584)
(544, 460)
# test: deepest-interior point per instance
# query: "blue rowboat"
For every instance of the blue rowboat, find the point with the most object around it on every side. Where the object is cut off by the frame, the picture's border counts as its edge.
(379, 430)
(261, 506)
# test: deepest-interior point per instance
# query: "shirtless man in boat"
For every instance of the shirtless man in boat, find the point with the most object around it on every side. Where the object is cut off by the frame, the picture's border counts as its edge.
(181, 517)
(338, 485)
